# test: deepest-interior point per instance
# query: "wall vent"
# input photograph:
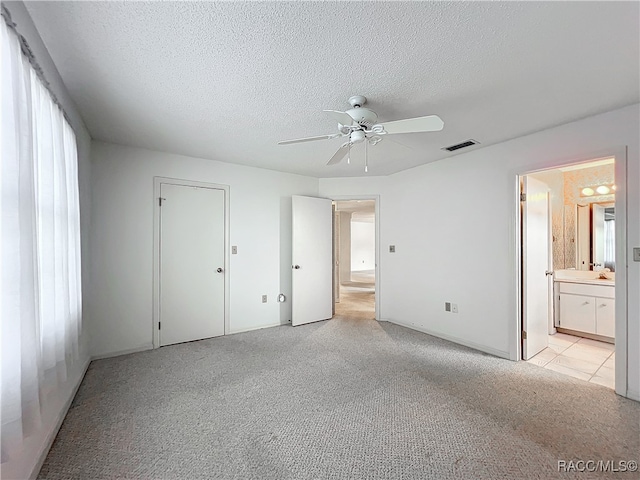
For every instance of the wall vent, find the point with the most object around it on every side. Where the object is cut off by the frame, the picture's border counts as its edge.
(458, 146)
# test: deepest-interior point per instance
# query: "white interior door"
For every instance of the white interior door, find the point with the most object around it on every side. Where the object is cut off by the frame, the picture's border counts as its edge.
(336, 257)
(311, 295)
(191, 263)
(535, 265)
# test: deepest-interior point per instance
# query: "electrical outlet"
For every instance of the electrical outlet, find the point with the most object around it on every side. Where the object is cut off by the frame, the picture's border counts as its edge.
(234, 250)
(264, 299)
(392, 249)
(636, 254)
(447, 306)
(454, 308)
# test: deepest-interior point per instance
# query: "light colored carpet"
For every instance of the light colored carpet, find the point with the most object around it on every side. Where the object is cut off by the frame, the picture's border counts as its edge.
(340, 399)
(356, 303)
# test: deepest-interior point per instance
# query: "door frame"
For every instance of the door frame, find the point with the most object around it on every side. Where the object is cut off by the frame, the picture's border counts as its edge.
(376, 198)
(621, 286)
(157, 182)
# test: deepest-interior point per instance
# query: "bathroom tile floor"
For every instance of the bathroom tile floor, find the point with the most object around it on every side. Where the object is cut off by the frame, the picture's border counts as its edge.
(588, 360)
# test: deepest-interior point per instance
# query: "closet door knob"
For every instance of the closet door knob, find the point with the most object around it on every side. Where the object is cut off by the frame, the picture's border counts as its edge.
(219, 270)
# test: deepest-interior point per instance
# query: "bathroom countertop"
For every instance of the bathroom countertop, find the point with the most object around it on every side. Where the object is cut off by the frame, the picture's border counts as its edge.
(588, 281)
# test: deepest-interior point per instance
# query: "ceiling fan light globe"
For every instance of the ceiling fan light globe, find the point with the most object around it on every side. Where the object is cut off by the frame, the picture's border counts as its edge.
(357, 136)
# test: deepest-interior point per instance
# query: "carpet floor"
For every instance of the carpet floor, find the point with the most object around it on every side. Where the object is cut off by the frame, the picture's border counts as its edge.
(339, 399)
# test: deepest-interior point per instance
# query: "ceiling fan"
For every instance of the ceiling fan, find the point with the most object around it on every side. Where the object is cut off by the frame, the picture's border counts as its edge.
(359, 124)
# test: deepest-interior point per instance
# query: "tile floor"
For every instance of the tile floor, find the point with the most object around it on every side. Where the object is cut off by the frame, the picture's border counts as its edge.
(582, 358)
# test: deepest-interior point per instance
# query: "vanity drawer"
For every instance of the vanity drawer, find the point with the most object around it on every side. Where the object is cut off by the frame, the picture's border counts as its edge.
(604, 291)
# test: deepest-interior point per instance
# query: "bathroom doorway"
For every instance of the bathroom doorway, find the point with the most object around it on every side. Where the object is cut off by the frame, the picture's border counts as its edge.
(355, 264)
(568, 269)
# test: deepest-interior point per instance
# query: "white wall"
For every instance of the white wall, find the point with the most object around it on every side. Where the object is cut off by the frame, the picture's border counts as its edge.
(363, 245)
(55, 404)
(455, 239)
(122, 228)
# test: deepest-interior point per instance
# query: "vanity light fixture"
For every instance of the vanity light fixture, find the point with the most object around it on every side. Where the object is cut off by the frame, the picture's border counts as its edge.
(598, 190)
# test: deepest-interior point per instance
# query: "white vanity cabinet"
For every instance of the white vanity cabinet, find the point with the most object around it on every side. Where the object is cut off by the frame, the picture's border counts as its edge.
(586, 307)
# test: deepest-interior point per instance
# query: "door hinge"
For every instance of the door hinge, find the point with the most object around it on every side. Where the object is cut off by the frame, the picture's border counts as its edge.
(160, 199)
(524, 335)
(523, 197)
(159, 326)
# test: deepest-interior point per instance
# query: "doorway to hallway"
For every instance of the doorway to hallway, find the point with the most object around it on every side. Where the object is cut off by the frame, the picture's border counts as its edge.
(355, 258)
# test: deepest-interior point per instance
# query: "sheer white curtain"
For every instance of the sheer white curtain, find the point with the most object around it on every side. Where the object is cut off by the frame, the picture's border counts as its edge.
(40, 245)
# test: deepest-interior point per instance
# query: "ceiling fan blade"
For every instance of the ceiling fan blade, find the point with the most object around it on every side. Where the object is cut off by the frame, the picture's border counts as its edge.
(401, 147)
(310, 139)
(430, 123)
(342, 118)
(339, 155)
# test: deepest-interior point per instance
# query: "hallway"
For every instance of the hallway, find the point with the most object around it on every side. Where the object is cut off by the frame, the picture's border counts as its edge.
(357, 297)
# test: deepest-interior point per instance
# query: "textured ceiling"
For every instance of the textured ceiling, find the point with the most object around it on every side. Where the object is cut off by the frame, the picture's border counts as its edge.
(226, 81)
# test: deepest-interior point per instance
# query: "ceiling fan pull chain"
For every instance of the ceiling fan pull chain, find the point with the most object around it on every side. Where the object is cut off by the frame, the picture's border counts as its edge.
(366, 157)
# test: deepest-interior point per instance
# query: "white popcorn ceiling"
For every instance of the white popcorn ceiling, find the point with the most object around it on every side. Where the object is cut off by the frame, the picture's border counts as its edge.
(226, 81)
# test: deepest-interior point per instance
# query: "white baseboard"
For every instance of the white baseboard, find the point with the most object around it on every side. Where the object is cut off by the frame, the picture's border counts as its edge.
(260, 327)
(59, 419)
(142, 348)
(460, 341)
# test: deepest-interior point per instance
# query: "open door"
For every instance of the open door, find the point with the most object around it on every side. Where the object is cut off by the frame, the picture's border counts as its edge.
(311, 292)
(536, 274)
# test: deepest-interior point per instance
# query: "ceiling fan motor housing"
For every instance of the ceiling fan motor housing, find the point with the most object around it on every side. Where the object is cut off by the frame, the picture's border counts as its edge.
(363, 116)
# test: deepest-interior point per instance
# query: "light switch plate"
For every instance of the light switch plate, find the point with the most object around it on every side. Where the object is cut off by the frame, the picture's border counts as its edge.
(636, 254)
(264, 299)
(234, 250)
(392, 249)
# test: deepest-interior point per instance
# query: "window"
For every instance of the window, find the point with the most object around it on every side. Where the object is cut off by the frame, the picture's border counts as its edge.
(40, 244)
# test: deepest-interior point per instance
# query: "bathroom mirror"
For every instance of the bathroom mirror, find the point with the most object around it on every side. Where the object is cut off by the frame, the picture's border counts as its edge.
(595, 236)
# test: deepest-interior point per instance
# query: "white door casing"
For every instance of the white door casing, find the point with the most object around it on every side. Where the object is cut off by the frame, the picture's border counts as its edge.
(312, 244)
(191, 263)
(535, 264)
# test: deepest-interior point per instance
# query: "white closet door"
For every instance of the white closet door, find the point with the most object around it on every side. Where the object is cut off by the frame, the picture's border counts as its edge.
(191, 263)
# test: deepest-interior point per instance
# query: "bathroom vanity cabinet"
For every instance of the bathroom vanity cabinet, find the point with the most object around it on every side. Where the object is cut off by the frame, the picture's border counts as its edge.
(587, 307)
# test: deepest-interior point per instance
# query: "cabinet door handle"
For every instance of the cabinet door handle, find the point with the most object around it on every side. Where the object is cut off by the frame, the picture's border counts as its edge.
(603, 305)
(586, 303)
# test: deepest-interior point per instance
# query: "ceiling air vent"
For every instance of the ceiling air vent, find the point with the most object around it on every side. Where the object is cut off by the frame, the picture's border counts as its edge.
(458, 146)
